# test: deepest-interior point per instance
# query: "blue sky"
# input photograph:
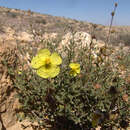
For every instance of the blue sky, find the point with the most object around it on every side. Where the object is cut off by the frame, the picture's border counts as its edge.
(95, 11)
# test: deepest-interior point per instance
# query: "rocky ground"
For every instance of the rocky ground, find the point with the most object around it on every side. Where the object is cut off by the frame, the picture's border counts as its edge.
(28, 28)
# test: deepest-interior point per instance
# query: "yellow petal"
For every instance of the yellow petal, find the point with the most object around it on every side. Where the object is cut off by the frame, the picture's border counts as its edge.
(19, 72)
(56, 59)
(37, 62)
(51, 72)
(39, 59)
(73, 73)
(74, 65)
(75, 69)
(78, 70)
(44, 52)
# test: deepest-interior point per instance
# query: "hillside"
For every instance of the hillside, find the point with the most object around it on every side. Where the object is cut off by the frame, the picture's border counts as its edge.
(23, 33)
(28, 21)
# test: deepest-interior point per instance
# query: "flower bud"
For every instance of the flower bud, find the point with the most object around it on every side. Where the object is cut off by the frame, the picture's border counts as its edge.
(112, 13)
(116, 4)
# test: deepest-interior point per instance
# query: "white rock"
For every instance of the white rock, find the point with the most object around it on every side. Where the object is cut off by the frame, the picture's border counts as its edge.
(49, 36)
(81, 39)
(24, 36)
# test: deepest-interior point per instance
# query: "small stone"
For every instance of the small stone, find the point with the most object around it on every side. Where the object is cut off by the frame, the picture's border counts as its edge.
(125, 97)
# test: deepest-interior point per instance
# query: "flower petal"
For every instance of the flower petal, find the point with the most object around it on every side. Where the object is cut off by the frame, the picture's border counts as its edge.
(39, 59)
(74, 65)
(37, 62)
(56, 59)
(75, 69)
(44, 52)
(48, 73)
(78, 70)
(73, 73)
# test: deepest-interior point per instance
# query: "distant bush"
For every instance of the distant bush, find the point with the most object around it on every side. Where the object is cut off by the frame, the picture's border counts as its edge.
(125, 38)
(40, 20)
(11, 14)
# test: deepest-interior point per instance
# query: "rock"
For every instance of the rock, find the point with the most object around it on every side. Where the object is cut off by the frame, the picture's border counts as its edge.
(50, 36)
(7, 92)
(17, 126)
(9, 31)
(0, 125)
(98, 128)
(25, 37)
(82, 39)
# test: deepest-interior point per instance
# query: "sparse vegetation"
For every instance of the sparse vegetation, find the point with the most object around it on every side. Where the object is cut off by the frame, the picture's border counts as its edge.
(11, 14)
(93, 97)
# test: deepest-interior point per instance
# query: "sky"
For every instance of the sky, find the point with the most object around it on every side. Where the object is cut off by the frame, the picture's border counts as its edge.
(94, 11)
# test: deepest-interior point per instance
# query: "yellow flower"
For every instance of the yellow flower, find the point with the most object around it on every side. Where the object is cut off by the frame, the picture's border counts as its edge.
(19, 72)
(75, 69)
(46, 64)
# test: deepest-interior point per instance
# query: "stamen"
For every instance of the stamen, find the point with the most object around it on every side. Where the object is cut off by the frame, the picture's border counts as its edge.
(47, 63)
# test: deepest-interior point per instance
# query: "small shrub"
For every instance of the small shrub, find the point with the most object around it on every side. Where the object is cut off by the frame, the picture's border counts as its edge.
(12, 14)
(80, 96)
(125, 38)
(40, 20)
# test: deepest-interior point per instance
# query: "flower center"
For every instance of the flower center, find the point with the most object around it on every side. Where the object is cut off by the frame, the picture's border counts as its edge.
(47, 63)
(73, 71)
